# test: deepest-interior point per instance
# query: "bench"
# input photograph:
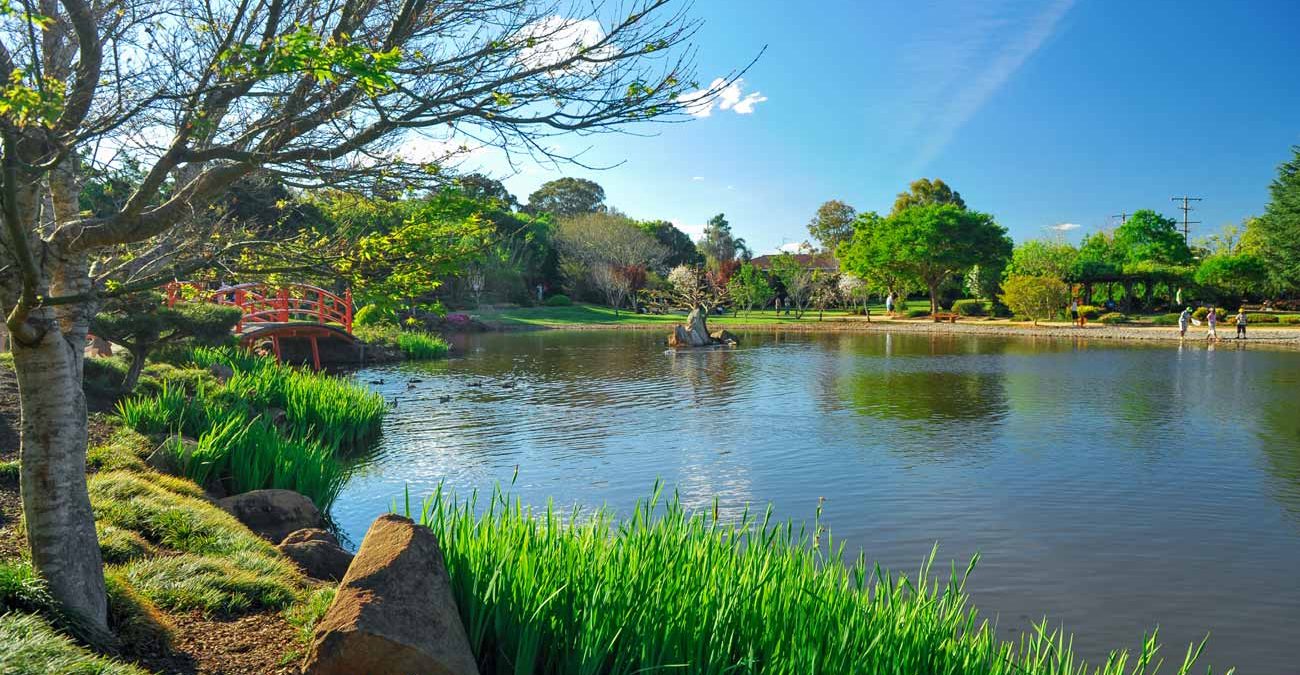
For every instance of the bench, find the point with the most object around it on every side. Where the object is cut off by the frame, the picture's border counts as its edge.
(950, 317)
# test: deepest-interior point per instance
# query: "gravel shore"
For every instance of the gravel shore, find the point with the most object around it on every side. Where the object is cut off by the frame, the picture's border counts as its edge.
(1256, 335)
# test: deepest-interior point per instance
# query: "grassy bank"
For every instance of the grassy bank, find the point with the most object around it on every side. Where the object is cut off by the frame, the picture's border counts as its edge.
(267, 426)
(579, 315)
(666, 590)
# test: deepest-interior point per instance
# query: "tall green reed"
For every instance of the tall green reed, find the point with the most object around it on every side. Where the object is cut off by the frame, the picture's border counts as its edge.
(667, 590)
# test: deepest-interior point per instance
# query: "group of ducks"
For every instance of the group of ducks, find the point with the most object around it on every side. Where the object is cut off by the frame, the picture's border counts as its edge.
(410, 385)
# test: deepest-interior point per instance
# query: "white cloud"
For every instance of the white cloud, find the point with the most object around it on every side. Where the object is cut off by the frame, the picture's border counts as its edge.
(697, 178)
(557, 39)
(720, 95)
(792, 247)
(694, 231)
(416, 147)
(1064, 227)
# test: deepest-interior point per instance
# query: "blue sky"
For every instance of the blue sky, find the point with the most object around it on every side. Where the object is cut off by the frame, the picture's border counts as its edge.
(1040, 112)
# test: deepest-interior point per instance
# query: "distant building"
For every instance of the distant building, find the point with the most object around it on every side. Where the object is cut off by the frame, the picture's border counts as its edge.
(824, 262)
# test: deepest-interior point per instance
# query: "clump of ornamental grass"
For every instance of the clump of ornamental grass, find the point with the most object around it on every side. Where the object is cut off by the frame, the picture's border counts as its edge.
(29, 645)
(422, 345)
(667, 590)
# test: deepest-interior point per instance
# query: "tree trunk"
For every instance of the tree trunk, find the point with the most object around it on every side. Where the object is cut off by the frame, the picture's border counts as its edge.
(133, 373)
(934, 299)
(60, 523)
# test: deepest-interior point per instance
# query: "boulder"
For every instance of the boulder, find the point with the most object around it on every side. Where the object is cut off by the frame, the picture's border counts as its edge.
(394, 612)
(694, 334)
(317, 552)
(221, 371)
(725, 337)
(166, 458)
(273, 514)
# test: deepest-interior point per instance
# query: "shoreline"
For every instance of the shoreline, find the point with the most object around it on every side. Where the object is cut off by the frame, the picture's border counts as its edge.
(1256, 336)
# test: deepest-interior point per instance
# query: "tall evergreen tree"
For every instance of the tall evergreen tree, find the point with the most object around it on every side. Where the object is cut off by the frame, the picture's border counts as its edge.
(1278, 229)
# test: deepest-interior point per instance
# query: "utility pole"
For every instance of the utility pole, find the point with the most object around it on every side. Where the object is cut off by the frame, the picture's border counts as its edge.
(1187, 209)
(1123, 217)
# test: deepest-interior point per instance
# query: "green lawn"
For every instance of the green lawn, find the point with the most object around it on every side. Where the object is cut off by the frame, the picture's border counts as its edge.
(578, 315)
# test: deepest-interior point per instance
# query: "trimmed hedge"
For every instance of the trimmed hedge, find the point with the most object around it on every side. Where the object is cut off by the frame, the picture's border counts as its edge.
(969, 307)
(917, 313)
(1166, 320)
(1112, 318)
(558, 300)
(1090, 312)
(1200, 313)
(1260, 317)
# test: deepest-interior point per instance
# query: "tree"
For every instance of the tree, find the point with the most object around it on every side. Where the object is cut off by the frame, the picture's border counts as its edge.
(796, 278)
(681, 250)
(719, 245)
(861, 257)
(925, 191)
(853, 289)
(143, 322)
(206, 93)
(481, 187)
(833, 224)
(825, 292)
(1038, 258)
(611, 251)
(749, 288)
(1233, 276)
(930, 244)
(567, 197)
(1148, 237)
(1037, 297)
(1278, 230)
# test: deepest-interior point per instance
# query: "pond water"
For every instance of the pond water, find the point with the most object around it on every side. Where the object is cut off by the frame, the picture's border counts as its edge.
(1112, 488)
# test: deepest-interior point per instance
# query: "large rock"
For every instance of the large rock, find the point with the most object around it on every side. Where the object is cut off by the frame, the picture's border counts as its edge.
(317, 552)
(273, 514)
(694, 334)
(394, 611)
(725, 337)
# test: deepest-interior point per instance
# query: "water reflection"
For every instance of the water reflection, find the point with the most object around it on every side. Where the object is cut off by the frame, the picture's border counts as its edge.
(1109, 486)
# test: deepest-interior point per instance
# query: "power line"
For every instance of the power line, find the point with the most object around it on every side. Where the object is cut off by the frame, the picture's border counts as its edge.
(1187, 209)
(1123, 217)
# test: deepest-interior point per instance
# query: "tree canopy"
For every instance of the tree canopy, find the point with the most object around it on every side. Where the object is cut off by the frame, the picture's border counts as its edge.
(681, 250)
(1043, 259)
(1278, 230)
(567, 197)
(719, 245)
(926, 191)
(1148, 237)
(832, 224)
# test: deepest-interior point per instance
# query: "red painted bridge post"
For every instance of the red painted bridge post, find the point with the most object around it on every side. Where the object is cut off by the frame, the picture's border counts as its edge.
(284, 305)
(347, 312)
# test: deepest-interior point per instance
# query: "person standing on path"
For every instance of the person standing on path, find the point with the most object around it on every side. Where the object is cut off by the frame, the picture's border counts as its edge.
(1184, 319)
(1074, 312)
(1212, 320)
(1241, 323)
(889, 303)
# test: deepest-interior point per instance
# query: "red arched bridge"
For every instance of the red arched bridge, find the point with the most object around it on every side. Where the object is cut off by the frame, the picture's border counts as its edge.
(277, 313)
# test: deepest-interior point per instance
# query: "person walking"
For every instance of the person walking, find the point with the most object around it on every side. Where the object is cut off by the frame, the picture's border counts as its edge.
(1183, 319)
(889, 303)
(1074, 312)
(1241, 323)
(1212, 320)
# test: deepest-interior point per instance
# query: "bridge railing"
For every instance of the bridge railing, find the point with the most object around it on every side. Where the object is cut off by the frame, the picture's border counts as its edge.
(263, 303)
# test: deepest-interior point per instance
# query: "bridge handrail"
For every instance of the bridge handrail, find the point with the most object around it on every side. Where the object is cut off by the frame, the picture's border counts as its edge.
(264, 303)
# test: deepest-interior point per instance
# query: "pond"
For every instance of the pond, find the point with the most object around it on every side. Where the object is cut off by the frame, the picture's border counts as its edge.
(1109, 487)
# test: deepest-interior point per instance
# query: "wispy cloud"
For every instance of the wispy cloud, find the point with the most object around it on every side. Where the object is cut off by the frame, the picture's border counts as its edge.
(697, 178)
(1064, 227)
(722, 96)
(959, 65)
(695, 231)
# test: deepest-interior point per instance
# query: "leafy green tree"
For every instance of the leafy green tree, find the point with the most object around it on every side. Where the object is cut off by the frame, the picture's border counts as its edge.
(481, 187)
(1148, 237)
(610, 252)
(931, 244)
(749, 288)
(1037, 297)
(797, 279)
(567, 197)
(1278, 230)
(719, 245)
(1040, 258)
(833, 224)
(859, 256)
(681, 250)
(318, 93)
(1234, 276)
(925, 191)
(142, 322)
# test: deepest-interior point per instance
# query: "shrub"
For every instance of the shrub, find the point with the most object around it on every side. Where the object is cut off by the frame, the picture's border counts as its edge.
(1112, 318)
(1036, 297)
(420, 345)
(9, 470)
(21, 589)
(1260, 317)
(125, 449)
(558, 300)
(1290, 320)
(916, 313)
(665, 587)
(969, 307)
(1166, 320)
(372, 315)
(134, 618)
(1090, 312)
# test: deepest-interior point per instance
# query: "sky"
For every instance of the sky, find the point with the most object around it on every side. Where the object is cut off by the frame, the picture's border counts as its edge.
(1052, 115)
